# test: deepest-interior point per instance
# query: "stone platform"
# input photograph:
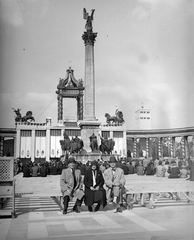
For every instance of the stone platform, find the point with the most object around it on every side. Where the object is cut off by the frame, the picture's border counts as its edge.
(93, 156)
(40, 218)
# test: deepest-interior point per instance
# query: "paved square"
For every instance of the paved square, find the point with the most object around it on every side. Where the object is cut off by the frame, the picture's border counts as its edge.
(41, 218)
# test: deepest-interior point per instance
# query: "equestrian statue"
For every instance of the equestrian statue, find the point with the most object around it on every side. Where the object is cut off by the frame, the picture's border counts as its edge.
(107, 145)
(75, 145)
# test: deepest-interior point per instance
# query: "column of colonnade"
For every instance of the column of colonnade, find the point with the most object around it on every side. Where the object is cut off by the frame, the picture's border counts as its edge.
(135, 147)
(1, 146)
(147, 147)
(60, 107)
(184, 146)
(159, 147)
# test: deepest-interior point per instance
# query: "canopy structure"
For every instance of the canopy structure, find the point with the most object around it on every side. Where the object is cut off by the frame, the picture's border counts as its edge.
(69, 87)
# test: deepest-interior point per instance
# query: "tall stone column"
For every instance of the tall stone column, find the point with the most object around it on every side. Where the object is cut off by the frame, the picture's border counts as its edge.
(33, 143)
(18, 139)
(1, 146)
(172, 146)
(135, 147)
(15, 145)
(147, 147)
(159, 147)
(80, 107)
(89, 83)
(48, 147)
(186, 146)
(90, 124)
(183, 147)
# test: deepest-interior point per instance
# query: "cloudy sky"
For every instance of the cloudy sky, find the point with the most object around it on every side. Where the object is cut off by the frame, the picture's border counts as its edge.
(143, 56)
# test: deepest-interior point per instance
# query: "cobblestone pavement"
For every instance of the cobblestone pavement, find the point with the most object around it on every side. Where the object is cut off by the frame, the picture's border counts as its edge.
(41, 218)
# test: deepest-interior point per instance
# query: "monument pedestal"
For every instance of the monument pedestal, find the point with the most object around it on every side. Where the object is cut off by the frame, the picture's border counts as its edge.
(87, 129)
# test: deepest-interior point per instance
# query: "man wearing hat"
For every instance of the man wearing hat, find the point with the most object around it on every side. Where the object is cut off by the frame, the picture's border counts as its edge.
(70, 183)
(114, 181)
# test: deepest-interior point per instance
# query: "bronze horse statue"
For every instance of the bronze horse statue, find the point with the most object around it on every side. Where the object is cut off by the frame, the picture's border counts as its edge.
(26, 118)
(107, 145)
(73, 146)
(117, 119)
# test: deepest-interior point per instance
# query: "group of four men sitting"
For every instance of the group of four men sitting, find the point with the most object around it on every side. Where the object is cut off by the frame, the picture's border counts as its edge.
(71, 186)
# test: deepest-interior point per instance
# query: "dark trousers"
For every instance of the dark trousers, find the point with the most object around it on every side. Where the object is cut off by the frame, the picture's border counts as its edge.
(66, 200)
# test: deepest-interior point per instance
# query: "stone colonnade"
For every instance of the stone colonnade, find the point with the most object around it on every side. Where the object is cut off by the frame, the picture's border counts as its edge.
(184, 146)
(159, 136)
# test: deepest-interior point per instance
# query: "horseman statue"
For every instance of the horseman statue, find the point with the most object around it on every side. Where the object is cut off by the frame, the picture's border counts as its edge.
(75, 145)
(94, 143)
(27, 118)
(117, 119)
(107, 145)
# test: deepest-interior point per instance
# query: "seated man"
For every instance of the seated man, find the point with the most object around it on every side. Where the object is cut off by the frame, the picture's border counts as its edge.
(70, 186)
(114, 181)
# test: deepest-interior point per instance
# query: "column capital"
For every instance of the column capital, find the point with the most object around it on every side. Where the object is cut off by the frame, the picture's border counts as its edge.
(89, 38)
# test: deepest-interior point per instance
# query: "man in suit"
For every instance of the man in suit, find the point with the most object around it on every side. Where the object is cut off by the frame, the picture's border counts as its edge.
(70, 183)
(114, 181)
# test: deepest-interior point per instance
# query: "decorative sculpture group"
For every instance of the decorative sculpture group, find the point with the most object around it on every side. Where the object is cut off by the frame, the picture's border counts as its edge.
(106, 146)
(75, 145)
(27, 118)
(117, 119)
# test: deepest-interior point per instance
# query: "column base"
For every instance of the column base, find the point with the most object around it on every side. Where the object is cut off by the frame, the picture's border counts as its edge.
(87, 129)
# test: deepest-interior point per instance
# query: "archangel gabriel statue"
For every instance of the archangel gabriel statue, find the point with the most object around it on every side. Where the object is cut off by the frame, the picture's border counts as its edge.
(89, 19)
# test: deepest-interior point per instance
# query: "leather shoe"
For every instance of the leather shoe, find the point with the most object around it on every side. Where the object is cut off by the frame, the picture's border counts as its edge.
(118, 210)
(97, 208)
(75, 209)
(64, 211)
(90, 209)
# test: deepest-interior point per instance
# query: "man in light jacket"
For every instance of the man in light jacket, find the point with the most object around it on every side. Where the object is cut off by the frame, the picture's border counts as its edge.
(70, 183)
(114, 181)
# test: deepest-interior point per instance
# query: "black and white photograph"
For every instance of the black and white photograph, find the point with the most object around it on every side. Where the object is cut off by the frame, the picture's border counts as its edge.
(96, 119)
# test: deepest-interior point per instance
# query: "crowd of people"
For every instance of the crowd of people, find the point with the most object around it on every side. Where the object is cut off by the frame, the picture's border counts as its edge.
(159, 167)
(103, 181)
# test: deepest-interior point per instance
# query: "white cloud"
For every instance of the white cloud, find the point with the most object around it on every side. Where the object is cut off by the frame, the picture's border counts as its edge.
(139, 13)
